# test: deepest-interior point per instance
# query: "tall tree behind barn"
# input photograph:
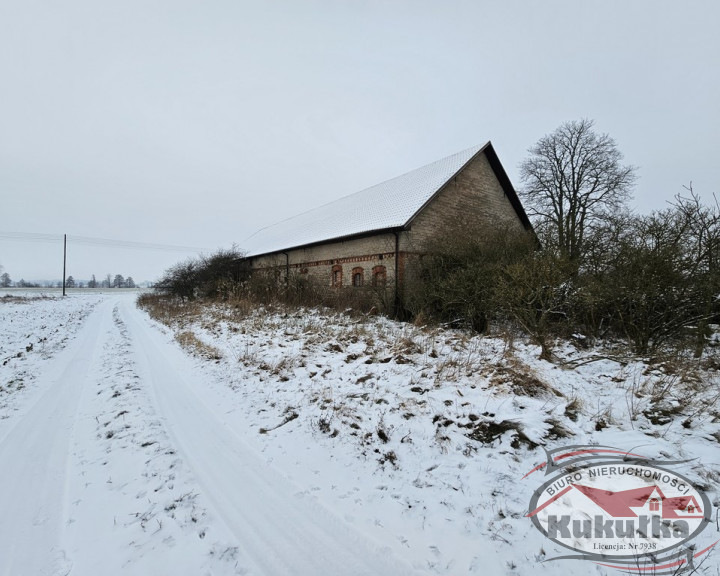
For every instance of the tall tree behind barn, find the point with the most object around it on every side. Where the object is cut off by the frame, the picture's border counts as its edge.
(572, 180)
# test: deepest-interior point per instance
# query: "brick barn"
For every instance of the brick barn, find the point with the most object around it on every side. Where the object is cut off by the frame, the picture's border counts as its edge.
(371, 238)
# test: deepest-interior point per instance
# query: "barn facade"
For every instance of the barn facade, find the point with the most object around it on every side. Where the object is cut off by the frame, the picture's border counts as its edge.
(372, 237)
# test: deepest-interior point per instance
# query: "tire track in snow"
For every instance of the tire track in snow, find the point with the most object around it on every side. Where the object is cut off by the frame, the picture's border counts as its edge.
(282, 530)
(89, 481)
(133, 506)
(34, 331)
(33, 460)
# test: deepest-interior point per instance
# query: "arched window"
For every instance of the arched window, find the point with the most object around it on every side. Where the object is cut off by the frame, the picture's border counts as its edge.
(336, 279)
(358, 277)
(379, 276)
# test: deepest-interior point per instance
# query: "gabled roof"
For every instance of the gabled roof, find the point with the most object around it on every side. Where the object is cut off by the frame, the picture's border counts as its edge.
(619, 504)
(393, 204)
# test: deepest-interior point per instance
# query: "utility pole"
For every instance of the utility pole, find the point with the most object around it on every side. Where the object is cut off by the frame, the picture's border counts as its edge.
(64, 259)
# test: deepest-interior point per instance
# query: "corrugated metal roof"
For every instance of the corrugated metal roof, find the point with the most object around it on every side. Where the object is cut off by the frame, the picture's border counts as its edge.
(391, 204)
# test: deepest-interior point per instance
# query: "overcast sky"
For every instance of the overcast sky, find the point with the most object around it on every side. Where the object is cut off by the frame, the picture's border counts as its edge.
(195, 123)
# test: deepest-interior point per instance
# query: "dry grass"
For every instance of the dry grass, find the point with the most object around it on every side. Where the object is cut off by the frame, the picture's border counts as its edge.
(169, 310)
(557, 430)
(521, 380)
(574, 408)
(486, 432)
(674, 389)
(12, 299)
(193, 344)
(603, 419)
(281, 343)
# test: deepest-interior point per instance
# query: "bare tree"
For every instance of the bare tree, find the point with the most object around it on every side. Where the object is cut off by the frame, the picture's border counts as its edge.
(572, 180)
(703, 246)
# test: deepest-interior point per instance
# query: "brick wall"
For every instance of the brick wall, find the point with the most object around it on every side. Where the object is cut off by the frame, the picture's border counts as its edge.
(318, 261)
(473, 196)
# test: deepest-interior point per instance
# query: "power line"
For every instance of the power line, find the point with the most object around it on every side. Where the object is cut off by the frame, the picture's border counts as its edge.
(91, 241)
(32, 237)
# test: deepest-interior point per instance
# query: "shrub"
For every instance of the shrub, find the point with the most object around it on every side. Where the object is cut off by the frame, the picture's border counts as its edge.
(535, 291)
(215, 276)
(458, 277)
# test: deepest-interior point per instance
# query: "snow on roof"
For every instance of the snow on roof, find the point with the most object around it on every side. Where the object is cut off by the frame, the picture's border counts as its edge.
(391, 204)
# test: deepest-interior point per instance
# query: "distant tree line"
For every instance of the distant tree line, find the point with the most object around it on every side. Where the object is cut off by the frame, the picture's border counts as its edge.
(118, 281)
(7, 282)
(108, 282)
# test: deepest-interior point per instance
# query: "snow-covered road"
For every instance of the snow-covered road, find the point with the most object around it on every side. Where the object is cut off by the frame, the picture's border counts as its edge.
(34, 456)
(117, 464)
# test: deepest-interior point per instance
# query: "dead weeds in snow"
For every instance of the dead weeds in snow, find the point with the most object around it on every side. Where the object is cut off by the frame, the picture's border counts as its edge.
(335, 368)
(193, 344)
(573, 408)
(14, 299)
(521, 380)
(487, 431)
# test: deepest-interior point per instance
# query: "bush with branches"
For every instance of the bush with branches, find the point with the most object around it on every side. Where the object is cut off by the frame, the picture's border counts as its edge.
(213, 276)
(458, 276)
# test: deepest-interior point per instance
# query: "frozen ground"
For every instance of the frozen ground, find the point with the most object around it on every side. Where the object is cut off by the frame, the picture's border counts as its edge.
(272, 443)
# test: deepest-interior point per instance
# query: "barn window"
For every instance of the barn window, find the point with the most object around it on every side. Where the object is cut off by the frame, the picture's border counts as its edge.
(379, 276)
(358, 277)
(654, 505)
(337, 275)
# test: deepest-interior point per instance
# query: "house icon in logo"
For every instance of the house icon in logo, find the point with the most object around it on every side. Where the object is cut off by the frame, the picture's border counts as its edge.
(645, 501)
(648, 501)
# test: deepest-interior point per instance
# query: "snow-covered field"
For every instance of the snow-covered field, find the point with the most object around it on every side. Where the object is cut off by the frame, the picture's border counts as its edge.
(229, 441)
